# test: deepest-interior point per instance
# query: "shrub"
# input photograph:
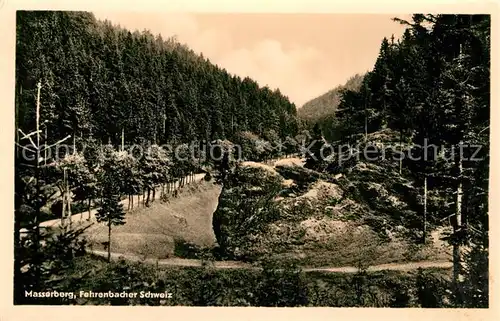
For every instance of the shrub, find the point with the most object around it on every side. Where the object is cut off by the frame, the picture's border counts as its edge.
(185, 249)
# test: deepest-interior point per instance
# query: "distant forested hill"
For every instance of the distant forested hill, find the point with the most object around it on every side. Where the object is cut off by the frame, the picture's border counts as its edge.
(326, 104)
(100, 79)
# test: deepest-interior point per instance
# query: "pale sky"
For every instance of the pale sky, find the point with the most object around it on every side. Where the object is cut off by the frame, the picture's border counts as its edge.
(304, 55)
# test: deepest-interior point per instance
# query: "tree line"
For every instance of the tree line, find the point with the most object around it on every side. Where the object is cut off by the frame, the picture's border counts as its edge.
(102, 80)
(432, 87)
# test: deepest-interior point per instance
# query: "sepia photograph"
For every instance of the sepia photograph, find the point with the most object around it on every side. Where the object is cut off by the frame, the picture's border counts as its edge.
(251, 159)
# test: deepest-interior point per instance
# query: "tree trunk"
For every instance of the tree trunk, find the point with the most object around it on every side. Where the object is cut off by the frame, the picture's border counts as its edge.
(45, 150)
(90, 205)
(459, 195)
(148, 199)
(366, 126)
(383, 120)
(154, 194)
(63, 211)
(36, 228)
(63, 199)
(425, 211)
(401, 150)
(457, 226)
(109, 241)
(68, 202)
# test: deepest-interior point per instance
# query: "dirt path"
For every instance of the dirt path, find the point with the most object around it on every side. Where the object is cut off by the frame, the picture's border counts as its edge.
(83, 216)
(240, 265)
(390, 266)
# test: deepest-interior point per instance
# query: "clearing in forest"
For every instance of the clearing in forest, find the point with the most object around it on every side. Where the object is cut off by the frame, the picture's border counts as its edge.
(151, 232)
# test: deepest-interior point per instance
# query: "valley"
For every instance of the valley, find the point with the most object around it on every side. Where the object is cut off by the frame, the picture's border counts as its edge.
(141, 165)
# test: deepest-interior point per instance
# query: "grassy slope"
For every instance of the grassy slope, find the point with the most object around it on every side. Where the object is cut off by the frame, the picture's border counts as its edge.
(150, 232)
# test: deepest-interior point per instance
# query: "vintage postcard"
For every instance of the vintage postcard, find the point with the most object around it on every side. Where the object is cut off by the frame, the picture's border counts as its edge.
(251, 159)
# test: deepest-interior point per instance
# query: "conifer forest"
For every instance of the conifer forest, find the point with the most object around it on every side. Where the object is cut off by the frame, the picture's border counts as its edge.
(146, 174)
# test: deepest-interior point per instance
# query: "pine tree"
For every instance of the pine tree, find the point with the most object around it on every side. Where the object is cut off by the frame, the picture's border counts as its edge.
(314, 156)
(111, 212)
(31, 194)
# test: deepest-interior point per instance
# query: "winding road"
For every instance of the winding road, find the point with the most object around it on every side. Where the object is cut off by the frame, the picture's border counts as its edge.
(241, 265)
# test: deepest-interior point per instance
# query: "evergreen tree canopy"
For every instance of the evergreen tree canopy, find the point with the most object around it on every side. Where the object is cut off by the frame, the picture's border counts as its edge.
(100, 79)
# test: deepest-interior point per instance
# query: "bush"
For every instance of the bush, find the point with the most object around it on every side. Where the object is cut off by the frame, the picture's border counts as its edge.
(278, 284)
(281, 286)
(186, 250)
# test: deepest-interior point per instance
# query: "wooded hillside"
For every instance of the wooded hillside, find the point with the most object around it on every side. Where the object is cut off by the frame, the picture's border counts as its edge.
(326, 104)
(100, 79)
(432, 88)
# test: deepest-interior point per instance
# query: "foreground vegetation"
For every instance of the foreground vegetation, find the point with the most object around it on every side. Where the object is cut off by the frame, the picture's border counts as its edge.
(275, 285)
